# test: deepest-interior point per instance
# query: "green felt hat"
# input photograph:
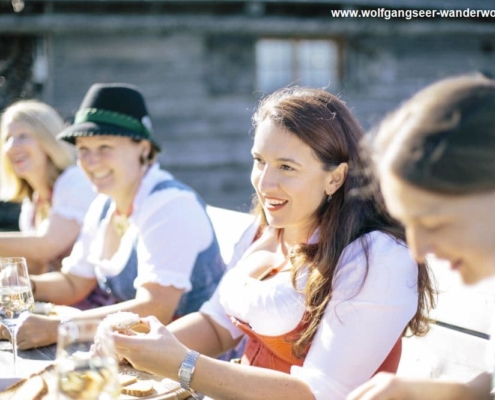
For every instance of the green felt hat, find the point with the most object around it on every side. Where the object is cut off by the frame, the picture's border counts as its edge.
(111, 109)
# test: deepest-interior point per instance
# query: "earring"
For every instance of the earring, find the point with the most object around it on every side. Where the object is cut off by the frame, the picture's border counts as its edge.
(329, 198)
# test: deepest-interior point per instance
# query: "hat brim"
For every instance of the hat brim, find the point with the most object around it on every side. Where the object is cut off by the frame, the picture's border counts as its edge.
(97, 129)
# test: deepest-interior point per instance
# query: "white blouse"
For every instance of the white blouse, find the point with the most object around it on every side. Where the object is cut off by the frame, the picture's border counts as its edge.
(360, 325)
(161, 223)
(71, 198)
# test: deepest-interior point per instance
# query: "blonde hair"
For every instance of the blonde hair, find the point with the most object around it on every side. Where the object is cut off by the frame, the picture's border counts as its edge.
(45, 123)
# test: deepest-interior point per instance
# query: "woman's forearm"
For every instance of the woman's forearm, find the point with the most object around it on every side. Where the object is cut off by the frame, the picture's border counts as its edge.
(386, 386)
(438, 390)
(140, 307)
(61, 288)
(223, 380)
(213, 341)
(227, 381)
(30, 246)
(43, 247)
(477, 389)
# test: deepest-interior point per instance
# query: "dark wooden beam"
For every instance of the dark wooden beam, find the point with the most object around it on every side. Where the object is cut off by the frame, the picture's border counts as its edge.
(266, 26)
(404, 4)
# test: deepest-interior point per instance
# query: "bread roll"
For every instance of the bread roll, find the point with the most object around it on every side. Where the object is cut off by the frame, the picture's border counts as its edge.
(139, 389)
(126, 379)
(123, 321)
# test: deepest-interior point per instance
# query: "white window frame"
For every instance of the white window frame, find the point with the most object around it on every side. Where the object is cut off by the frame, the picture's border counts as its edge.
(302, 62)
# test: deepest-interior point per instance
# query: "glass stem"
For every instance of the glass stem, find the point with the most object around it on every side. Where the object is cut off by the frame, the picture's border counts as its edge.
(13, 339)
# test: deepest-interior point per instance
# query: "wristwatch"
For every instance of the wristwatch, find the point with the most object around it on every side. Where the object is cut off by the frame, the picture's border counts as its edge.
(186, 372)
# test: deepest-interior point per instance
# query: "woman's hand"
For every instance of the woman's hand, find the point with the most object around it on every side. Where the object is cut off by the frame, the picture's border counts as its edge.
(37, 331)
(158, 352)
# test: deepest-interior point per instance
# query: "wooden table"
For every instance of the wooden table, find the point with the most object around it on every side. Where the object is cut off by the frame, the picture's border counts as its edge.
(28, 361)
(35, 360)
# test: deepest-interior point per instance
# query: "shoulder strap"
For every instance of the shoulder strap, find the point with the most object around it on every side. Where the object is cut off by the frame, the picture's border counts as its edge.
(104, 211)
(175, 184)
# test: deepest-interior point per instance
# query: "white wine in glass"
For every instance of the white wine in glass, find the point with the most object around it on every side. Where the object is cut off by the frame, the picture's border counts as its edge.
(16, 297)
(86, 371)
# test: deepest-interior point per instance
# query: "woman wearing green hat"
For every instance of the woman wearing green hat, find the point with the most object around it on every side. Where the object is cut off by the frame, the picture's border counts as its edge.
(146, 239)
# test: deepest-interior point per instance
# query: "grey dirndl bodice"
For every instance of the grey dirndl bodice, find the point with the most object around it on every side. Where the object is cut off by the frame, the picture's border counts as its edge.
(207, 271)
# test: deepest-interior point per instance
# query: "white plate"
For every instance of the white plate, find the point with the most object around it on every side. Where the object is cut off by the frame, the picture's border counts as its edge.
(42, 308)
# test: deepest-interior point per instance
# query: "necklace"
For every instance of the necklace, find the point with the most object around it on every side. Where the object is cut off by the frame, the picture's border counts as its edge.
(121, 222)
(41, 208)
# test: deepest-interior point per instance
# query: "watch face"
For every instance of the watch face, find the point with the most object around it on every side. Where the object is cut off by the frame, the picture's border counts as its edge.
(186, 374)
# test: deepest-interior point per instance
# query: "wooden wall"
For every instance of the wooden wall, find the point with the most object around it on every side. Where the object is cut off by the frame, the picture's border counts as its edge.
(201, 95)
(200, 101)
(197, 71)
(380, 72)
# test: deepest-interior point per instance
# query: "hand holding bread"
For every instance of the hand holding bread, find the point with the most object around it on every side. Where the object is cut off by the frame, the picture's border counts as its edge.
(157, 352)
(123, 322)
(126, 322)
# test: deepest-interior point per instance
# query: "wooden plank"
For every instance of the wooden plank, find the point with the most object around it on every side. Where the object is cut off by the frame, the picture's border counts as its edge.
(58, 23)
(427, 4)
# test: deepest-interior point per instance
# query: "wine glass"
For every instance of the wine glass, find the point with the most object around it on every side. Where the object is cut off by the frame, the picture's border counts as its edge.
(16, 297)
(86, 370)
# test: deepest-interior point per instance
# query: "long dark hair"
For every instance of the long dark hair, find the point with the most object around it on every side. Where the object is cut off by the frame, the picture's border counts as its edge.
(324, 123)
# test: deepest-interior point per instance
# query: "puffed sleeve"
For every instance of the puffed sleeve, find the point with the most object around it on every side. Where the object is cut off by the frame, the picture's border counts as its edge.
(173, 230)
(72, 194)
(363, 321)
(213, 307)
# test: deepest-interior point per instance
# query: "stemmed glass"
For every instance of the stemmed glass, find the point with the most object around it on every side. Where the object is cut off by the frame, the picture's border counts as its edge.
(16, 297)
(86, 364)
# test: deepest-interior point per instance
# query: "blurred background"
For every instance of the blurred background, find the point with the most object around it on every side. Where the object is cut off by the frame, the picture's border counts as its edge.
(203, 66)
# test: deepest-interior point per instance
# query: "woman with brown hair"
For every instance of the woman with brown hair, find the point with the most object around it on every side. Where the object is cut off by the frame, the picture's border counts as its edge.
(322, 284)
(435, 163)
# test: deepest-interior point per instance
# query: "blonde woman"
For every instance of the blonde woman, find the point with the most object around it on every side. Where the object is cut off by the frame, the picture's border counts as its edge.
(39, 171)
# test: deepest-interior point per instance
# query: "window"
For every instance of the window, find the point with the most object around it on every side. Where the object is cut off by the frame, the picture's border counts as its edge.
(282, 62)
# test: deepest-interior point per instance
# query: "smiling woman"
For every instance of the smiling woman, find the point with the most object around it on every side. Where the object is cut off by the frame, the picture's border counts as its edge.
(146, 241)
(39, 171)
(321, 285)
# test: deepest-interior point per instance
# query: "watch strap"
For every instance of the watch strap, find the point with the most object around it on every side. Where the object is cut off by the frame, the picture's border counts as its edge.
(186, 370)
